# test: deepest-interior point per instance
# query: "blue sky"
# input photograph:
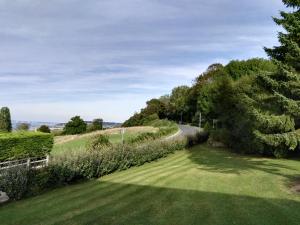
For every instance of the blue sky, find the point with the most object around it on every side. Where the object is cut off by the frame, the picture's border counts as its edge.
(105, 58)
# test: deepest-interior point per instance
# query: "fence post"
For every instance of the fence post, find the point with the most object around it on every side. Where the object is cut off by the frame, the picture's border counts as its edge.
(47, 160)
(28, 163)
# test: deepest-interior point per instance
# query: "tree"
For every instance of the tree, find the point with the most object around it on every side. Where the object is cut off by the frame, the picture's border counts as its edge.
(288, 53)
(75, 126)
(97, 124)
(178, 102)
(5, 120)
(23, 127)
(155, 106)
(44, 129)
(261, 113)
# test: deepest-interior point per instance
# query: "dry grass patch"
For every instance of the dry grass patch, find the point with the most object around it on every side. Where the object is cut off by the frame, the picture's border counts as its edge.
(68, 138)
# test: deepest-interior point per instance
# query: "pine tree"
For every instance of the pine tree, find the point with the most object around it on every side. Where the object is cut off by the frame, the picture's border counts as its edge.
(5, 120)
(276, 109)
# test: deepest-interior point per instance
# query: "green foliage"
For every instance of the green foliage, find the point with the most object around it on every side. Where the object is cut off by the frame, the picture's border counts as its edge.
(200, 137)
(237, 69)
(19, 145)
(97, 124)
(14, 182)
(104, 159)
(57, 132)
(93, 164)
(288, 53)
(75, 126)
(23, 127)
(5, 120)
(142, 137)
(44, 129)
(98, 142)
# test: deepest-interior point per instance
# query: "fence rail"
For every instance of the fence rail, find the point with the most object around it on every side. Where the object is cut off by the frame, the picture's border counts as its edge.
(29, 163)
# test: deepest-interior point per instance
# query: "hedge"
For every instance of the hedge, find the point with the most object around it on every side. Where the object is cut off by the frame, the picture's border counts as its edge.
(19, 145)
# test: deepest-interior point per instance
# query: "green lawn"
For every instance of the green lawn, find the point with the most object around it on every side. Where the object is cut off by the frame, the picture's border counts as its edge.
(198, 186)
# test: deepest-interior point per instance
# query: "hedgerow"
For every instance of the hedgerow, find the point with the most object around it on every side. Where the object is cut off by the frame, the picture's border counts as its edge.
(65, 169)
(19, 145)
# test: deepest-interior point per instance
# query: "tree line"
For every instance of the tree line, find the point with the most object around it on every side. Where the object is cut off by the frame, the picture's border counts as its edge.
(252, 106)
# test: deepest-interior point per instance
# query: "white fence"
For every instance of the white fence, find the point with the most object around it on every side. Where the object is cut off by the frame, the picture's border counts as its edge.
(30, 163)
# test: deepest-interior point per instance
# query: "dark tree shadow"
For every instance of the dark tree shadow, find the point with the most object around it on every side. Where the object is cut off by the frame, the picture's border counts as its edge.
(224, 161)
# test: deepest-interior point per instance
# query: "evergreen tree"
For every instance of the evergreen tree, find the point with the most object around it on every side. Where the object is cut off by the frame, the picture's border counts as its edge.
(5, 120)
(275, 111)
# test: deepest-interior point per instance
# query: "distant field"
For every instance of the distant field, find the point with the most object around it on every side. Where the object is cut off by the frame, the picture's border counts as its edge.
(78, 142)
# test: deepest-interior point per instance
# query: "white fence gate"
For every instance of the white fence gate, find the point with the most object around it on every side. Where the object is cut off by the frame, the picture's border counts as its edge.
(29, 163)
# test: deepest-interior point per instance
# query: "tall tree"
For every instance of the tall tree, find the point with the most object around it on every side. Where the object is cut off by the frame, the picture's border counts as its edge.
(278, 113)
(261, 113)
(5, 120)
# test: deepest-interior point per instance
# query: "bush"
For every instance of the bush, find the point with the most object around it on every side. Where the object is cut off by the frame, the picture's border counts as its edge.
(97, 124)
(19, 145)
(75, 126)
(23, 127)
(199, 138)
(147, 136)
(44, 129)
(94, 164)
(57, 132)
(98, 142)
(14, 182)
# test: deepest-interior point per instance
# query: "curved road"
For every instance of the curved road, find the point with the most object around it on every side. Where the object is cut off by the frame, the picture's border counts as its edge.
(187, 130)
(184, 130)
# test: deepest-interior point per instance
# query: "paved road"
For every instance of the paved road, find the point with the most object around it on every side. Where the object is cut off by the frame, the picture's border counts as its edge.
(184, 130)
(187, 130)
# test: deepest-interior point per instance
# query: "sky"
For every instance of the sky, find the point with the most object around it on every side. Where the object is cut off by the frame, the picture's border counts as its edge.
(106, 58)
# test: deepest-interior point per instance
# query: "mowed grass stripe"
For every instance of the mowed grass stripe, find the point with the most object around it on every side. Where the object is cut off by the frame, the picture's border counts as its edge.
(198, 186)
(105, 196)
(100, 190)
(148, 169)
(132, 197)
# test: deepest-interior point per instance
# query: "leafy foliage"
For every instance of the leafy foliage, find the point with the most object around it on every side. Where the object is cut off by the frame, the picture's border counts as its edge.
(19, 145)
(97, 124)
(23, 127)
(75, 126)
(5, 120)
(98, 142)
(44, 129)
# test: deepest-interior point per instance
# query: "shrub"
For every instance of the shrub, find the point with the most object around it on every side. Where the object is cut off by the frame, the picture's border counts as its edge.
(75, 126)
(94, 164)
(98, 142)
(44, 129)
(23, 127)
(5, 120)
(199, 138)
(14, 182)
(97, 124)
(18, 145)
(147, 136)
(57, 132)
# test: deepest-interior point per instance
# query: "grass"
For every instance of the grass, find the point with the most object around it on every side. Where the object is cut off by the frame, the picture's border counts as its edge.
(78, 142)
(197, 186)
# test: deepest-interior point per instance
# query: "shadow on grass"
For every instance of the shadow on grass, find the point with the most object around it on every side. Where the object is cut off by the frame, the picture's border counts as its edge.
(115, 203)
(224, 161)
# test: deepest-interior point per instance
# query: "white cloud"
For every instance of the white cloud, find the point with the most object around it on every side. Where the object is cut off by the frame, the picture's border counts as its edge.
(73, 55)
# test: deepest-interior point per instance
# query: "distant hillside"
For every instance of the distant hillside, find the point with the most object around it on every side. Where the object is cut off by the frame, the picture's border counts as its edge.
(54, 125)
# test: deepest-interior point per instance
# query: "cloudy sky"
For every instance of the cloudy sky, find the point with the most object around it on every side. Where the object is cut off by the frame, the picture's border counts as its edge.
(105, 58)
